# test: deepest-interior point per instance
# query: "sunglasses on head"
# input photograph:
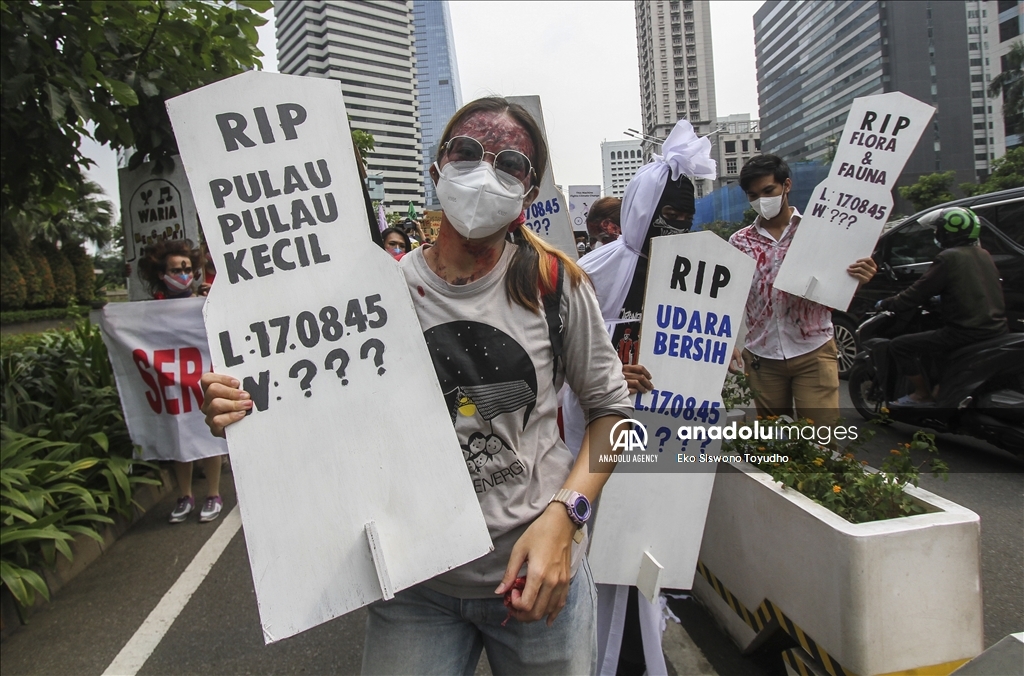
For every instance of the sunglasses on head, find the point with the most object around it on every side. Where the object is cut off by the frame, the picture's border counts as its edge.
(511, 162)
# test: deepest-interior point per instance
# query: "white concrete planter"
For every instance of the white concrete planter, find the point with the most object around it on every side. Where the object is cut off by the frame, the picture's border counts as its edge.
(877, 597)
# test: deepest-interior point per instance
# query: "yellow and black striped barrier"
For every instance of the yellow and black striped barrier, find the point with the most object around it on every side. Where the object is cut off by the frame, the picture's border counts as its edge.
(769, 616)
(812, 660)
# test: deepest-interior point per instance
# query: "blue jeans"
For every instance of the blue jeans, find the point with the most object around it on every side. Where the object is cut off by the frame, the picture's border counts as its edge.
(422, 631)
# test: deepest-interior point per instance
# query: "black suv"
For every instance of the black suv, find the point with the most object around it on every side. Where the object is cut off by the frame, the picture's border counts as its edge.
(905, 251)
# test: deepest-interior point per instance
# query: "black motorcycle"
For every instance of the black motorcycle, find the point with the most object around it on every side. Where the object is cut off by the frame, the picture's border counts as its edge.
(980, 387)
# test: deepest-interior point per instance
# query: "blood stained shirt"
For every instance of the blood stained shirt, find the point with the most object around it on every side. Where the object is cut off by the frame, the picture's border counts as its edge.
(779, 325)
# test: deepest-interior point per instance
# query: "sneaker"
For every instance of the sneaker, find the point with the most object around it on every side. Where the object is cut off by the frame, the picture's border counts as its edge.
(182, 509)
(211, 509)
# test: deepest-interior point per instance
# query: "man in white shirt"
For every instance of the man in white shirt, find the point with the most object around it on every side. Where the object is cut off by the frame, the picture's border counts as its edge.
(789, 354)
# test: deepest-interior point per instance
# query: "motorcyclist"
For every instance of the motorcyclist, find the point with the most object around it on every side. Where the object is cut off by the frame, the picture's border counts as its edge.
(972, 306)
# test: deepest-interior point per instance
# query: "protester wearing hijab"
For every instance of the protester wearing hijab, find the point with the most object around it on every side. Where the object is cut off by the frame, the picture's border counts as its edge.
(658, 201)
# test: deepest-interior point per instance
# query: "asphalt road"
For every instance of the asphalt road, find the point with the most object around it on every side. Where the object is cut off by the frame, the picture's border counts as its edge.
(218, 631)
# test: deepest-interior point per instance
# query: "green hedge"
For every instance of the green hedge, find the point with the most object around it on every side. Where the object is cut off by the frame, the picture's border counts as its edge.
(21, 316)
(65, 454)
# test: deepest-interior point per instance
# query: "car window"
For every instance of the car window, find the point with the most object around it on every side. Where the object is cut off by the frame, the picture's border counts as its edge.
(993, 243)
(1008, 217)
(911, 243)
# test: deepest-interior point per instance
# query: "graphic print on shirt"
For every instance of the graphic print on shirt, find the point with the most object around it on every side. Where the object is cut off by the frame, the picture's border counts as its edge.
(483, 373)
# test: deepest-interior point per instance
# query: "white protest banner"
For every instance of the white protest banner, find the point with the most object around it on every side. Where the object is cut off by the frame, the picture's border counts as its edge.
(655, 504)
(154, 207)
(317, 324)
(580, 199)
(548, 215)
(849, 208)
(158, 352)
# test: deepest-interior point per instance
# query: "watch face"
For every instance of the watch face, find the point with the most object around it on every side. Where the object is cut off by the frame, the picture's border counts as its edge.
(582, 508)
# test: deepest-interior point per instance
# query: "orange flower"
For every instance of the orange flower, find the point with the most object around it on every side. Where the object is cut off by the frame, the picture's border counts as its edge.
(818, 461)
(760, 448)
(836, 489)
(848, 456)
(894, 451)
(810, 421)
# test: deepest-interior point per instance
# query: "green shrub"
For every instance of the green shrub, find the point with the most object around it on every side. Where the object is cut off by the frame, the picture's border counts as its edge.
(19, 342)
(84, 275)
(46, 288)
(65, 454)
(839, 481)
(12, 283)
(28, 273)
(63, 275)
(20, 316)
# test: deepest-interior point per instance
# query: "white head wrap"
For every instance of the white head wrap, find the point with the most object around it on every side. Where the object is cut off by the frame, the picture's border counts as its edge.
(611, 266)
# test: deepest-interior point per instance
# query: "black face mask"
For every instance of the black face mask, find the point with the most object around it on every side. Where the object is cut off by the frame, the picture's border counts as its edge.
(678, 194)
(662, 227)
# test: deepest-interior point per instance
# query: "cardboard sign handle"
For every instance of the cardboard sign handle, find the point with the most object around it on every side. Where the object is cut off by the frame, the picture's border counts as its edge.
(648, 579)
(373, 538)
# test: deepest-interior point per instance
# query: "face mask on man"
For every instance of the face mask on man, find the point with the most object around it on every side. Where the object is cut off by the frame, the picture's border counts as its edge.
(768, 207)
(477, 201)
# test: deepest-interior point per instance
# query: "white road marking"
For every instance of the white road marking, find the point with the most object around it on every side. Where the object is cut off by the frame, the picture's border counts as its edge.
(135, 653)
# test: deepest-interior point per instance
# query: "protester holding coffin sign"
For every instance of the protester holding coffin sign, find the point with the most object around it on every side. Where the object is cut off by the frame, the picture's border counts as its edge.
(790, 354)
(658, 201)
(507, 319)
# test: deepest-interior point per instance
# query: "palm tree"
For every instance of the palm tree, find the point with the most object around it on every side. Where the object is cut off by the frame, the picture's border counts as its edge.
(1010, 83)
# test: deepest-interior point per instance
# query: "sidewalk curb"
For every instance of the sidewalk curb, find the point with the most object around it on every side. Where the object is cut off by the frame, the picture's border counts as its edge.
(85, 550)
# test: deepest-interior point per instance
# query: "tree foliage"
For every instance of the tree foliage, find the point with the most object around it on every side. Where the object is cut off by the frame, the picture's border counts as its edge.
(1007, 172)
(930, 189)
(1010, 83)
(104, 68)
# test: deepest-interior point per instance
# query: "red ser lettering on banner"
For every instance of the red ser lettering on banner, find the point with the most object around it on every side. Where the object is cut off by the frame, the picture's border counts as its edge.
(159, 374)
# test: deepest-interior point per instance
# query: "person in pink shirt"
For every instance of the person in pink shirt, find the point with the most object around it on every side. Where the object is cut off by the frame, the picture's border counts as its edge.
(789, 354)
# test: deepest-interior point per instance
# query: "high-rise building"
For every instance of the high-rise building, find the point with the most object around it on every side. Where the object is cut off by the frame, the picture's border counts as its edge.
(677, 69)
(1002, 24)
(738, 139)
(619, 161)
(437, 79)
(814, 58)
(367, 47)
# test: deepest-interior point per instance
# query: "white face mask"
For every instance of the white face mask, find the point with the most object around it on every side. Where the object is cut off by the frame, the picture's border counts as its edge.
(768, 207)
(478, 200)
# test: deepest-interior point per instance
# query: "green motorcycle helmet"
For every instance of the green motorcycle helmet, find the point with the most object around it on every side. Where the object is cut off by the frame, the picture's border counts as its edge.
(954, 226)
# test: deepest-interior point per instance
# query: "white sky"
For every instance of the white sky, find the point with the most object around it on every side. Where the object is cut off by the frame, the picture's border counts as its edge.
(580, 58)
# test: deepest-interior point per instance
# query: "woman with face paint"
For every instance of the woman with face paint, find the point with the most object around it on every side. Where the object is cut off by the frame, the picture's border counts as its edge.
(507, 319)
(658, 201)
(169, 268)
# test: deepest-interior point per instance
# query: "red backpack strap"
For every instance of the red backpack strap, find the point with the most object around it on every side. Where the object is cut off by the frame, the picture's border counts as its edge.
(552, 304)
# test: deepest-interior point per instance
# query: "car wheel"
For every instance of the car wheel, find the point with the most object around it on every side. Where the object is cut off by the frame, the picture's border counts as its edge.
(862, 391)
(846, 344)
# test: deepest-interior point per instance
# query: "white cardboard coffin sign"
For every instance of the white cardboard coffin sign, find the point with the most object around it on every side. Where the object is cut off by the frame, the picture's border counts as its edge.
(548, 215)
(158, 351)
(849, 208)
(655, 504)
(317, 323)
(154, 207)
